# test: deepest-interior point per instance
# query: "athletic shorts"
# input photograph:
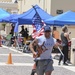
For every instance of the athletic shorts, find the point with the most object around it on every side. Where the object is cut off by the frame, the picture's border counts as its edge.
(44, 66)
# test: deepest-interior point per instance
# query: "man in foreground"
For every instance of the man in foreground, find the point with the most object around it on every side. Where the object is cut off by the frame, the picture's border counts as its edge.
(43, 57)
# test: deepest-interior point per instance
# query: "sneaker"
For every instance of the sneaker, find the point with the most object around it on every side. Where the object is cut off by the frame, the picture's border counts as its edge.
(65, 64)
(69, 62)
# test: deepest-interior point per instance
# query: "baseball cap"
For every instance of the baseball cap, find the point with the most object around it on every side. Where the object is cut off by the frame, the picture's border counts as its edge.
(47, 28)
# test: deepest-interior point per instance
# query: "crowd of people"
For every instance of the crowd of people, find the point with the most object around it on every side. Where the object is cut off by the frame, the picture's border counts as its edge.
(42, 47)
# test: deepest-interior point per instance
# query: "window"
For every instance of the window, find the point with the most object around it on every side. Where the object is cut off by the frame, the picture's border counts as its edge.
(59, 11)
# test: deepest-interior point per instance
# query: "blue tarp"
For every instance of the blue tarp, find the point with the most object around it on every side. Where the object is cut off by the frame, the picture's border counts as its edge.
(30, 14)
(26, 18)
(15, 19)
(8, 19)
(3, 14)
(65, 18)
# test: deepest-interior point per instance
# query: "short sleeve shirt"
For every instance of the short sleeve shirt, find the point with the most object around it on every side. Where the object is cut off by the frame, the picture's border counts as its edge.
(47, 45)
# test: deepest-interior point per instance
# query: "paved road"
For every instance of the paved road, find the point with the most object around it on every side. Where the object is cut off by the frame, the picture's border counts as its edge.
(22, 64)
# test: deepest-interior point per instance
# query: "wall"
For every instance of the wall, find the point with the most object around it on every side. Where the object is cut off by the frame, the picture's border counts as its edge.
(64, 5)
(24, 5)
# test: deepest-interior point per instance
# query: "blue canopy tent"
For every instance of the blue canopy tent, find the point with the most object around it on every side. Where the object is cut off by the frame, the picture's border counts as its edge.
(65, 18)
(3, 14)
(26, 18)
(15, 19)
(30, 14)
(8, 19)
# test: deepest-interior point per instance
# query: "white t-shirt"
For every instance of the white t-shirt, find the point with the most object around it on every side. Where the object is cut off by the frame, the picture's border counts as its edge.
(47, 45)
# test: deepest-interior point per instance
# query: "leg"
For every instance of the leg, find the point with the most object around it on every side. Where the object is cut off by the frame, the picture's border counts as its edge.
(34, 70)
(60, 58)
(39, 68)
(65, 51)
(39, 71)
(49, 68)
(48, 73)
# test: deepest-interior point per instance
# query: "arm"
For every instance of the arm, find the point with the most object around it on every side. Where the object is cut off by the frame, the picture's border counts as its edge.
(56, 45)
(31, 46)
(67, 36)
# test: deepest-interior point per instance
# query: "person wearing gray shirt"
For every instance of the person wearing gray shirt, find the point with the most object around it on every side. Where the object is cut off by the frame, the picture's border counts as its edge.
(64, 40)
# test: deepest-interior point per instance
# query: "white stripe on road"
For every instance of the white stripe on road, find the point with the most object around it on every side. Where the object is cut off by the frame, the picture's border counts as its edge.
(72, 68)
(69, 67)
(15, 50)
(16, 64)
(11, 48)
(15, 55)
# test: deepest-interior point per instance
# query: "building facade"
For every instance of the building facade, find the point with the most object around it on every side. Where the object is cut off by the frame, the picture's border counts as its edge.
(53, 7)
(24, 5)
(9, 5)
(60, 6)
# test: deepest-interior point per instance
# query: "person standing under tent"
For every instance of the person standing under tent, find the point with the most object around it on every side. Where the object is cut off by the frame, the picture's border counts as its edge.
(26, 33)
(55, 33)
(43, 58)
(22, 32)
(64, 38)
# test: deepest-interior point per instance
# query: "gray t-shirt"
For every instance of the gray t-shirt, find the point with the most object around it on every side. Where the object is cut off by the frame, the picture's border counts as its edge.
(47, 45)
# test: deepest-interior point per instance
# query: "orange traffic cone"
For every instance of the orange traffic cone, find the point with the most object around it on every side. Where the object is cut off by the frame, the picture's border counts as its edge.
(9, 59)
(0, 41)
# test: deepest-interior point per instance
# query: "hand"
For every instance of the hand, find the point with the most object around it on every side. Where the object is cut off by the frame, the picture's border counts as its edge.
(34, 55)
